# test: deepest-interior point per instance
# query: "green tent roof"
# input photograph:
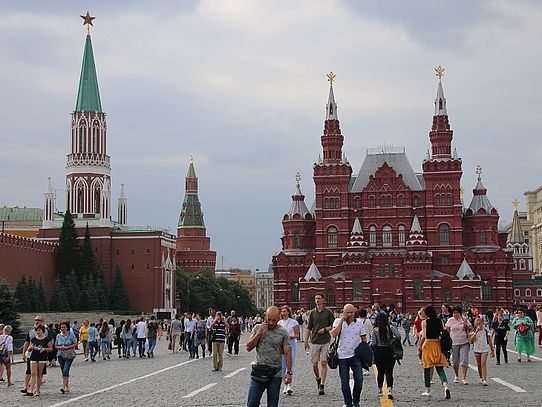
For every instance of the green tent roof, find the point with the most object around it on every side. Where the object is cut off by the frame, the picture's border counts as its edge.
(88, 96)
(191, 214)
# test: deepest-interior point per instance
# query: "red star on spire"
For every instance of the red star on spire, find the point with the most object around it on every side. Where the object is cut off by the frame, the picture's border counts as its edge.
(88, 20)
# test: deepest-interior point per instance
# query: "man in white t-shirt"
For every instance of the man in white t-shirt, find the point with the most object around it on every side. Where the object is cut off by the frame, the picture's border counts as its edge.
(141, 332)
(351, 332)
(189, 325)
(209, 321)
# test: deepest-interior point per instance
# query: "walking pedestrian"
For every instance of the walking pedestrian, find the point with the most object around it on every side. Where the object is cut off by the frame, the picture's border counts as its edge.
(105, 336)
(127, 336)
(270, 341)
(482, 345)
(93, 341)
(407, 325)
(152, 333)
(383, 355)
(500, 330)
(459, 328)
(6, 352)
(200, 336)
(317, 339)
(431, 353)
(189, 325)
(65, 343)
(351, 332)
(218, 338)
(524, 337)
(539, 324)
(31, 334)
(39, 346)
(208, 322)
(83, 337)
(118, 338)
(234, 335)
(175, 332)
(292, 327)
(141, 335)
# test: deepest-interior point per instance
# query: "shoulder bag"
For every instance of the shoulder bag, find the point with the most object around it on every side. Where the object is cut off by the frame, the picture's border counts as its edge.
(263, 373)
(332, 354)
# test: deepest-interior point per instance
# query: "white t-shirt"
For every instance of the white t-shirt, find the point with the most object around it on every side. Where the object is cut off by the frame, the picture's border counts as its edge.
(480, 343)
(141, 329)
(8, 341)
(189, 325)
(210, 320)
(289, 324)
(350, 337)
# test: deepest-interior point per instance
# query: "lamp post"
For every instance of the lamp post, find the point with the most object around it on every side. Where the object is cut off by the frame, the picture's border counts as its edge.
(188, 292)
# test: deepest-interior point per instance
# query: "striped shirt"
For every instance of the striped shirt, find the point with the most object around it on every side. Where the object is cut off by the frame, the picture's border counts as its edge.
(220, 331)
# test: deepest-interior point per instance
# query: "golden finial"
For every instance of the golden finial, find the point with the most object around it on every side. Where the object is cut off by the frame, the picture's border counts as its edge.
(87, 20)
(297, 178)
(515, 202)
(439, 72)
(331, 78)
(479, 171)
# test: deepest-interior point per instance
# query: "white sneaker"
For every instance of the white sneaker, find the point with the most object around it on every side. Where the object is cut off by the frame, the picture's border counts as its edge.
(426, 394)
(289, 390)
(285, 390)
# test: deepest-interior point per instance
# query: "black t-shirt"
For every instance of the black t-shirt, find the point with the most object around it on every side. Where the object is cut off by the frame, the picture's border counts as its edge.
(500, 328)
(39, 344)
(433, 326)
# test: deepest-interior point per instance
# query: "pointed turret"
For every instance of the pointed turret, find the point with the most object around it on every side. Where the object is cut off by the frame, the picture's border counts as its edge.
(88, 96)
(123, 207)
(440, 135)
(465, 271)
(416, 237)
(332, 139)
(48, 207)
(516, 233)
(356, 236)
(313, 273)
(191, 215)
(298, 223)
(480, 199)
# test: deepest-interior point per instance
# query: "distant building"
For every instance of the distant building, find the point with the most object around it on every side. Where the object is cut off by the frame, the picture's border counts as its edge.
(264, 288)
(534, 218)
(244, 277)
(193, 247)
(24, 222)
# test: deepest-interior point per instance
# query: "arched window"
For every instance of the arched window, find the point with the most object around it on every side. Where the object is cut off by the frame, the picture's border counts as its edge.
(385, 201)
(297, 242)
(400, 200)
(357, 202)
(94, 139)
(539, 292)
(392, 270)
(444, 234)
(80, 200)
(418, 288)
(356, 286)
(402, 238)
(371, 201)
(97, 201)
(522, 264)
(482, 236)
(446, 295)
(527, 292)
(517, 293)
(386, 236)
(415, 201)
(382, 270)
(486, 291)
(330, 297)
(372, 236)
(332, 236)
(295, 291)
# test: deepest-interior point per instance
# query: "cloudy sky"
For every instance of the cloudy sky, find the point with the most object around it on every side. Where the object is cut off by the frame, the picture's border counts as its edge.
(240, 85)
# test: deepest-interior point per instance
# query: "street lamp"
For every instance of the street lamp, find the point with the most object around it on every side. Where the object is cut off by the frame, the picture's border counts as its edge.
(188, 292)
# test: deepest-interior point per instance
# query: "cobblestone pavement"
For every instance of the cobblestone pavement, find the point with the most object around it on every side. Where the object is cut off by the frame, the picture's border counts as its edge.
(175, 380)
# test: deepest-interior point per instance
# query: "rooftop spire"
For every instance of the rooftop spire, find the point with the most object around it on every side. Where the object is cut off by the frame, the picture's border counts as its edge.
(298, 205)
(331, 107)
(191, 171)
(440, 101)
(88, 96)
(516, 233)
(191, 214)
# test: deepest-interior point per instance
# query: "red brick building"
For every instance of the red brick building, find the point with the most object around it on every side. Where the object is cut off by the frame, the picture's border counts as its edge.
(390, 235)
(145, 255)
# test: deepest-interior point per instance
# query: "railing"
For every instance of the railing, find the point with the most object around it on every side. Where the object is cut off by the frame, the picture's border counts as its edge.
(25, 243)
(88, 159)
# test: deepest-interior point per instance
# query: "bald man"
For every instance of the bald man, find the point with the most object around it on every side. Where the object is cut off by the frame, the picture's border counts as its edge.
(351, 332)
(271, 341)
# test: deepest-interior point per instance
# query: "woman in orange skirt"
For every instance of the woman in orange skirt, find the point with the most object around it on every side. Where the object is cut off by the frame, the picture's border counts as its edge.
(431, 353)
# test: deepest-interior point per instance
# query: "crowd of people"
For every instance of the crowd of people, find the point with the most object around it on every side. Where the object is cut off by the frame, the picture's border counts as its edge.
(275, 334)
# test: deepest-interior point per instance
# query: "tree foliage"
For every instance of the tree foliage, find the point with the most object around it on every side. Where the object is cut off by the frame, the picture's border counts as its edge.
(87, 265)
(58, 300)
(8, 313)
(202, 290)
(119, 298)
(67, 255)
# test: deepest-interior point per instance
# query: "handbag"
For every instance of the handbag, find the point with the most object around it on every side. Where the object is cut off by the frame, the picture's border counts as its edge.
(68, 353)
(523, 328)
(263, 373)
(332, 354)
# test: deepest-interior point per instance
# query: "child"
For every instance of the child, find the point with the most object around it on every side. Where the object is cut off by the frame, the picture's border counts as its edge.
(482, 344)
(6, 351)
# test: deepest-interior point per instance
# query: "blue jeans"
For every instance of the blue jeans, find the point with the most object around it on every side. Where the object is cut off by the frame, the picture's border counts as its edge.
(345, 365)
(141, 345)
(126, 348)
(93, 347)
(65, 365)
(256, 389)
(152, 344)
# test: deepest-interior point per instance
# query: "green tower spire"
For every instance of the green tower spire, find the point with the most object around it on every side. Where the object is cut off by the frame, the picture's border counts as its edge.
(191, 213)
(88, 96)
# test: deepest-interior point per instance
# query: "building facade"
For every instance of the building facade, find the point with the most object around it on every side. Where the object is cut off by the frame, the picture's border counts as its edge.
(534, 218)
(264, 289)
(390, 235)
(245, 278)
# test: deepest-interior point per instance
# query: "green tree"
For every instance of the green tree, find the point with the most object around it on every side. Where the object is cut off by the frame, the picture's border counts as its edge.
(32, 294)
(8, 313)
(67, 255)
(72, 291)
(58, 300)
(87, 265)
(84, 302)
(119, 297)
(41, 297)
(102, 296)
(21, 295)
(92, 294)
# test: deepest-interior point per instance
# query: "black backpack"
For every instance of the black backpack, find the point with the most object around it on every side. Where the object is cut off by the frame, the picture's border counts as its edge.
(396, 348)
(445, 343)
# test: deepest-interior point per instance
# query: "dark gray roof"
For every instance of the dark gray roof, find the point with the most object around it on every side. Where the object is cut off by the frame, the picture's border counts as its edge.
(397, 160)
